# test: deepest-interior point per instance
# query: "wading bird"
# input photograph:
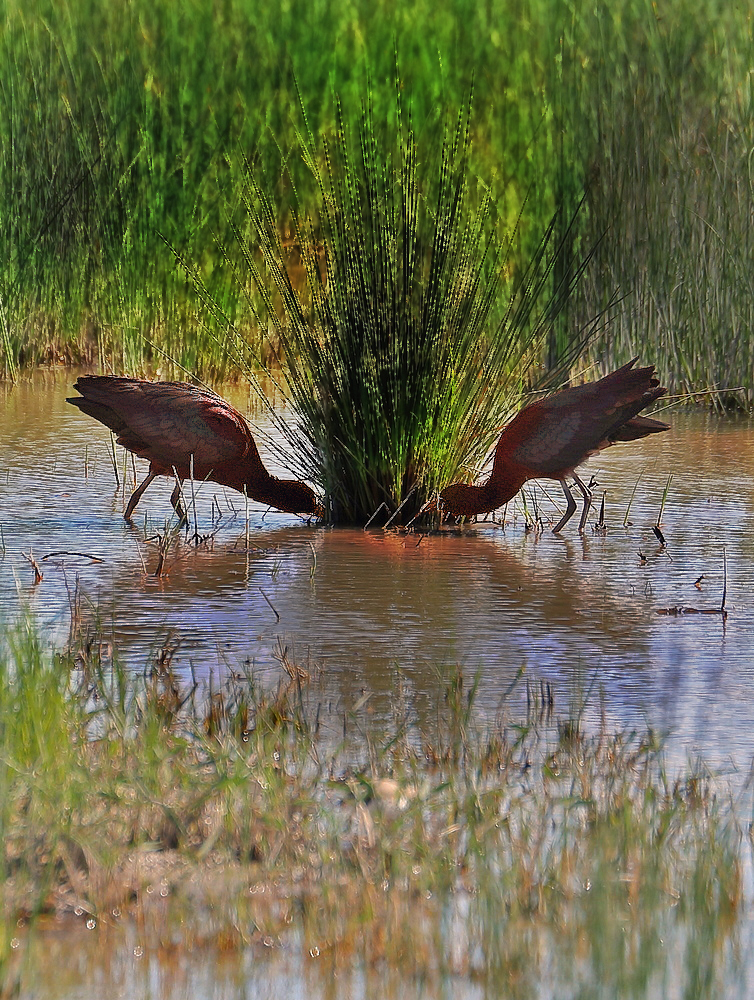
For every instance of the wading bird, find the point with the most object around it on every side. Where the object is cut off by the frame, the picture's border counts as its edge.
(185, 431)
(552, 436)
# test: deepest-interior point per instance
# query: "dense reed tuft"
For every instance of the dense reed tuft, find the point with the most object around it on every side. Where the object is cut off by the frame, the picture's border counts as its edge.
(414, 333)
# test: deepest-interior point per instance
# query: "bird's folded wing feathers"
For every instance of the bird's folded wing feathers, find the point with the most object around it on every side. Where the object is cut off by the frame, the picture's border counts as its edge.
(556, 434)
(213, 434)
(169, 422)
(550, 445)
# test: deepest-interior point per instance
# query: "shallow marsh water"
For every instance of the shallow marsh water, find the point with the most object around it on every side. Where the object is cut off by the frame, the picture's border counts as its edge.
(375, 612)
(370, 608)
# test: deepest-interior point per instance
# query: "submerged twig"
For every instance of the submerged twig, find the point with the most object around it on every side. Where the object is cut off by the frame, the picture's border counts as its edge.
(399, 508)
(631, 500)
(313, 568)
(600, 525)
(662, 507)
(38, 574)
(659, 535)
(193, 497)
(274, 609)
(65, 552)
(114, 460)
(382, 506)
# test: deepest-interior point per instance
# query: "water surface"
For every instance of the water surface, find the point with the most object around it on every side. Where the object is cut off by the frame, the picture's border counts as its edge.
(373, 612)
(366, 609)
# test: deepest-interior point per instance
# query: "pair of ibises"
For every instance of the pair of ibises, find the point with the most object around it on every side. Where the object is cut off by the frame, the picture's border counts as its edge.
(188, 432)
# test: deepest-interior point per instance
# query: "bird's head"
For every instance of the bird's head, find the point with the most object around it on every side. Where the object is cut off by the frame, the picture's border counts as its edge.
(455, 499)
(461, 499)
(296, 498)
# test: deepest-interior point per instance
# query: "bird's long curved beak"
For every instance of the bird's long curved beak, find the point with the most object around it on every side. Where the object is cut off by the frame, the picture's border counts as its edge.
(430, 505)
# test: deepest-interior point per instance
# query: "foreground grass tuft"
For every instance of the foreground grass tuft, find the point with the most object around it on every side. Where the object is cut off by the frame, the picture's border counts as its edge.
(245, 816)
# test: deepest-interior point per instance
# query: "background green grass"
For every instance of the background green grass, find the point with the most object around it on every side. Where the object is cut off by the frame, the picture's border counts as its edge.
(123, 121)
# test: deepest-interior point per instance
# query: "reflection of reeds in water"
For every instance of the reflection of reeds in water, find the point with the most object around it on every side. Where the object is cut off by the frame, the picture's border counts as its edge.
(455, 848)
(408, 346)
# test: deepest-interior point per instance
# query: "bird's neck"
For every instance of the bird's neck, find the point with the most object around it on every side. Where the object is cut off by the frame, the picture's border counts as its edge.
(503, 485)
(288, 495)
(469, 500)
(267, 489)
(256, 483)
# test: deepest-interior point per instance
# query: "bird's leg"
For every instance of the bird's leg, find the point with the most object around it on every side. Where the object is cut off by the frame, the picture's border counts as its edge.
(570, 509)
(136, 496)
(177, 501)
(587, 494)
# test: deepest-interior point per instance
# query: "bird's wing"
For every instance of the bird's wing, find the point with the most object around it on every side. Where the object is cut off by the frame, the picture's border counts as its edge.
(554, 435)
(168, 422)
(545, 438)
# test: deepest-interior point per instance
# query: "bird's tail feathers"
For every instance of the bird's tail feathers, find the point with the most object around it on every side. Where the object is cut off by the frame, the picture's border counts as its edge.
(99, 411)
(638, 427)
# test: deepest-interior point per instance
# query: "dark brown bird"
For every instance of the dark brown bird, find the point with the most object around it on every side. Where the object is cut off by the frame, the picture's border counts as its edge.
(173, 424)
(551, 437)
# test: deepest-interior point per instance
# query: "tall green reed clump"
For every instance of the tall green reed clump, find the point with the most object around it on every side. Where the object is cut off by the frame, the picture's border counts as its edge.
(417, 325)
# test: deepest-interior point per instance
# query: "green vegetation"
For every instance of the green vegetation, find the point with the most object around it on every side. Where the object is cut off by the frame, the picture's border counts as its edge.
(124, 122)
(405, 320)
(472, 848)
(670, 182)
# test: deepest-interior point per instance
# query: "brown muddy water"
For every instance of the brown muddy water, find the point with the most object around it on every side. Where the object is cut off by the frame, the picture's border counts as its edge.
(370, 610)
(374, 612)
